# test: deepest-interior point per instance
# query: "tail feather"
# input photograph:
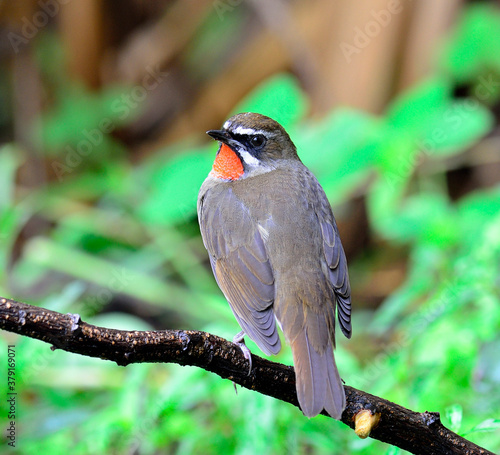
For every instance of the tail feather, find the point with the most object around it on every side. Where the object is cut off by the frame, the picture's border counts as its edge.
(318, 382)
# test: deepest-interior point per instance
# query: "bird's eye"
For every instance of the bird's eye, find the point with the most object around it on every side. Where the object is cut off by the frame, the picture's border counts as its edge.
(257, 140)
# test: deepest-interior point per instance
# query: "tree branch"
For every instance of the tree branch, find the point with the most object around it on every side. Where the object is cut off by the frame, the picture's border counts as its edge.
(418, 433)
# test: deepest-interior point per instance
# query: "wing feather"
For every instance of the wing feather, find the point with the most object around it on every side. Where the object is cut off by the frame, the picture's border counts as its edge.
(337, 264)
(241, 266)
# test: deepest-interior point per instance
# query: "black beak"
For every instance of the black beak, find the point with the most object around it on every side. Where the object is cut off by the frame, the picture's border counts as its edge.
(224, 137)
(219, 135)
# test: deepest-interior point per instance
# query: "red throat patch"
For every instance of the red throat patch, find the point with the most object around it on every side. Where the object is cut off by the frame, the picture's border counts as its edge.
(227, 164)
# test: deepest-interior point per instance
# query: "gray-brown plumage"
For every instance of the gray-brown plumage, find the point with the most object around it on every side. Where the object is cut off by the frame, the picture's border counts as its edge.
(276, 254)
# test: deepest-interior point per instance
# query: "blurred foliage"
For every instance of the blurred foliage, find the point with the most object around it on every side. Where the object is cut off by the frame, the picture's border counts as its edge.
(116, 229)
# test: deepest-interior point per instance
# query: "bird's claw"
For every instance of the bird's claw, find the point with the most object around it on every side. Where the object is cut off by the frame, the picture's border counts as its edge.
(239, 339)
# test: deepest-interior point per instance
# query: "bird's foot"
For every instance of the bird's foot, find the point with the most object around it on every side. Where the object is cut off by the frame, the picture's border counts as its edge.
(239, 339)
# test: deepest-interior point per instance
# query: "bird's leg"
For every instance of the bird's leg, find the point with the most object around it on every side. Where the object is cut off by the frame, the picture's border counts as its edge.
(239, 339)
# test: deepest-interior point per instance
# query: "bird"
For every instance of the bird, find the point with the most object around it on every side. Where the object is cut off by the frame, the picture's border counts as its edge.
(275, 251)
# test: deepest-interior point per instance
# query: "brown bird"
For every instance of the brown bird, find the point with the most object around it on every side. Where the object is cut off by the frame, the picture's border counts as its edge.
(276, 254)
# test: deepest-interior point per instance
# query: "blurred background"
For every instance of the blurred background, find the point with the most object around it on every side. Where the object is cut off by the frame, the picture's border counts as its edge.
(393, 104)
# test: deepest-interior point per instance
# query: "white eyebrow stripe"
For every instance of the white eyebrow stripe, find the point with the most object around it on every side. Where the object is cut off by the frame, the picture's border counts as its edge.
(248, 131)
(226, 125)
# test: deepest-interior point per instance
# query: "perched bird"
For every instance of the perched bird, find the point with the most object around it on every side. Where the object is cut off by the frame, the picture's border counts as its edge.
(275, 251)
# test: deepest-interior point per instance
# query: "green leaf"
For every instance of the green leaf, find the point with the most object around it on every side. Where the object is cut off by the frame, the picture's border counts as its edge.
(416, 108)
(475, 43)
(407, 118)
(480, 206)
(485, 426)
(336, 140)
(174, 188)
(279, 97)
(396, 155)
(384, 199)
(84, 120)
(339, 149)
(48, 254)
(454, 414)
(456, 128)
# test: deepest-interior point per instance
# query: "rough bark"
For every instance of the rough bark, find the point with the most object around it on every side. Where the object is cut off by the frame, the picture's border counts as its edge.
(418, 433)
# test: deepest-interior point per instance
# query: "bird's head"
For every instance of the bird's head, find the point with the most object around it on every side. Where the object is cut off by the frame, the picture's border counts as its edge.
(251, 144)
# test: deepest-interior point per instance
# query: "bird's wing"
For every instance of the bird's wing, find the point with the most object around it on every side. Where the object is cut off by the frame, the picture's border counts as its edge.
(241, 265)
(337, 264)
